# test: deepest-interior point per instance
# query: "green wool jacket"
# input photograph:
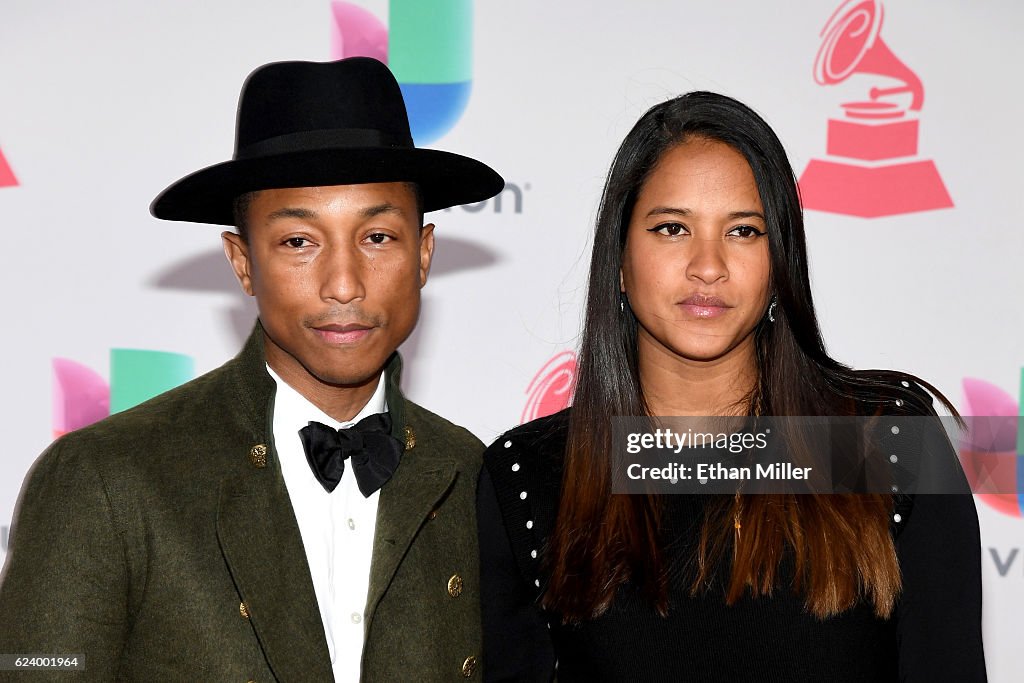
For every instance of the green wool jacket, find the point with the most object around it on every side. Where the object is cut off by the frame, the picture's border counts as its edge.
(161, 544)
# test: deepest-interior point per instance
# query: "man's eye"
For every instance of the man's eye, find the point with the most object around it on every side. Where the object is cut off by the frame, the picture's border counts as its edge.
(746, 231)
(670, 229)
(297, 242)
(380, 238)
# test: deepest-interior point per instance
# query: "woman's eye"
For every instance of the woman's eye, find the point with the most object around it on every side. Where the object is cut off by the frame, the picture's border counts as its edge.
(746, 231)
(670, 229)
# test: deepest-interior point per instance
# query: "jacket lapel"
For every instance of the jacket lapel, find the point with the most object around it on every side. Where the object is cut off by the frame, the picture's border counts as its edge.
(263, 548)
(415, 489)
(260, 538)
(419, 483)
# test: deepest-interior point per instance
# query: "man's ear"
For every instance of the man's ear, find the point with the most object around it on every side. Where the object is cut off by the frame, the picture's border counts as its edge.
(426, 251)
(237, 252)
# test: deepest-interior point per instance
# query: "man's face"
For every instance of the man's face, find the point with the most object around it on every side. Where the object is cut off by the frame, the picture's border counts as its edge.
(336, 272)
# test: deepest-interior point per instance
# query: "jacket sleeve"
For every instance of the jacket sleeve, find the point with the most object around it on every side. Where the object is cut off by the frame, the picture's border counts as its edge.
(65, 585)
(517, 640)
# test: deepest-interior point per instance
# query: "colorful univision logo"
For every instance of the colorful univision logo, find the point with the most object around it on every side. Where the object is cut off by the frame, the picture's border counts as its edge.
(993, 451)
(7, 178)
(429, 49)
(81, 396)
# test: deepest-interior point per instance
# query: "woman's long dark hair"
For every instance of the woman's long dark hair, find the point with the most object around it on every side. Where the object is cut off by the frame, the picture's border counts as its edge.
(600, 541)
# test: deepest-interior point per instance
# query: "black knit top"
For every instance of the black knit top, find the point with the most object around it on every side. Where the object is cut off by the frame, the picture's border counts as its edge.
(934, 634)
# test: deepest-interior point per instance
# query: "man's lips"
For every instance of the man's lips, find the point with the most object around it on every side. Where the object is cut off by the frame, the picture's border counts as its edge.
(704, 306)
(342, 334)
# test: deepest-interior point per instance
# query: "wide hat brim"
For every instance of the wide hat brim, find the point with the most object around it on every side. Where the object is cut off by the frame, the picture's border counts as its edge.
(444, 179)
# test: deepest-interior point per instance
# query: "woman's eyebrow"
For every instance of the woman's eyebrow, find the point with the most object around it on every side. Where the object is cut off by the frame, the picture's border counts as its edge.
(673, 211)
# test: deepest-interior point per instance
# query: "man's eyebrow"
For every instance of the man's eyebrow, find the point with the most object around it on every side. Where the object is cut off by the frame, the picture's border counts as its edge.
(378, 209)
(291, 212)
(308, 214)
(673, 211)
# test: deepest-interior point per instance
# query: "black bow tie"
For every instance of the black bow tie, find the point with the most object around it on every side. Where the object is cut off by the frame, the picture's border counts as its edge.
(374, 452)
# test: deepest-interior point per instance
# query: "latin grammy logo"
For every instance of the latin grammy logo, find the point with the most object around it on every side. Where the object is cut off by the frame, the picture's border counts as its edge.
(7, 178)
(551, 388)
(872, 169)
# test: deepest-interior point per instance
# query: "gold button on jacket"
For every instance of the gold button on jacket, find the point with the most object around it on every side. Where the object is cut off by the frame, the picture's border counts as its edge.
(258, 455)
(455, 586)
(469, 666)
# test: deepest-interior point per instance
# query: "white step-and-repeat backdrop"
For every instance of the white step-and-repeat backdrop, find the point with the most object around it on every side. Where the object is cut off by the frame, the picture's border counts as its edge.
(902, 117)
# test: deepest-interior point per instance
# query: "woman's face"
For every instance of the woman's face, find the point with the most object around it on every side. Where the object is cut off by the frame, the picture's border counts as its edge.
(696, 265)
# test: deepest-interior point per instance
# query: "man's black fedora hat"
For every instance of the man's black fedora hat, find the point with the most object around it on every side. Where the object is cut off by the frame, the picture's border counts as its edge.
(308, 124)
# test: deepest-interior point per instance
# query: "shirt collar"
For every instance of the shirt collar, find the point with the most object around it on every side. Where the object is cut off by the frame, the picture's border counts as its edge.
(295, 410)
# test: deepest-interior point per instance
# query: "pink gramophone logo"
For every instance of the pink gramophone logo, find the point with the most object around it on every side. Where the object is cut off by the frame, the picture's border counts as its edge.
(7, 178)
(873, 168)
(551, 388)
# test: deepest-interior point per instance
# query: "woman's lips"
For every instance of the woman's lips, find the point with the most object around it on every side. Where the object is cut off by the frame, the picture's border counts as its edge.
(704, 306)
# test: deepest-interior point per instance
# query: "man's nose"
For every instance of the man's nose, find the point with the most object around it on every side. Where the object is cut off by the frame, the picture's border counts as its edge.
(341, 274)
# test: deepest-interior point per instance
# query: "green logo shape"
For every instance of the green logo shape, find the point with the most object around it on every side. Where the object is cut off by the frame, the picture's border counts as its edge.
(431, 42)
(137, 375)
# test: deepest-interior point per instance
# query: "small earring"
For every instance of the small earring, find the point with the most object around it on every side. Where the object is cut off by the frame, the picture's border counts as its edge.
(771, 310)
(622, 302)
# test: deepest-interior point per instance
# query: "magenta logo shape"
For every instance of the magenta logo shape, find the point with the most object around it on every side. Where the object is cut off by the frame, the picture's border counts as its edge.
(872, 167)
(551, 388)
(80, 396)
(993, 451)
(7, 178)
(357, 33)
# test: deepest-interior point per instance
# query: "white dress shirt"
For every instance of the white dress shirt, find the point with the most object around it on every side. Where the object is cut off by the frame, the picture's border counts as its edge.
(337, 528)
